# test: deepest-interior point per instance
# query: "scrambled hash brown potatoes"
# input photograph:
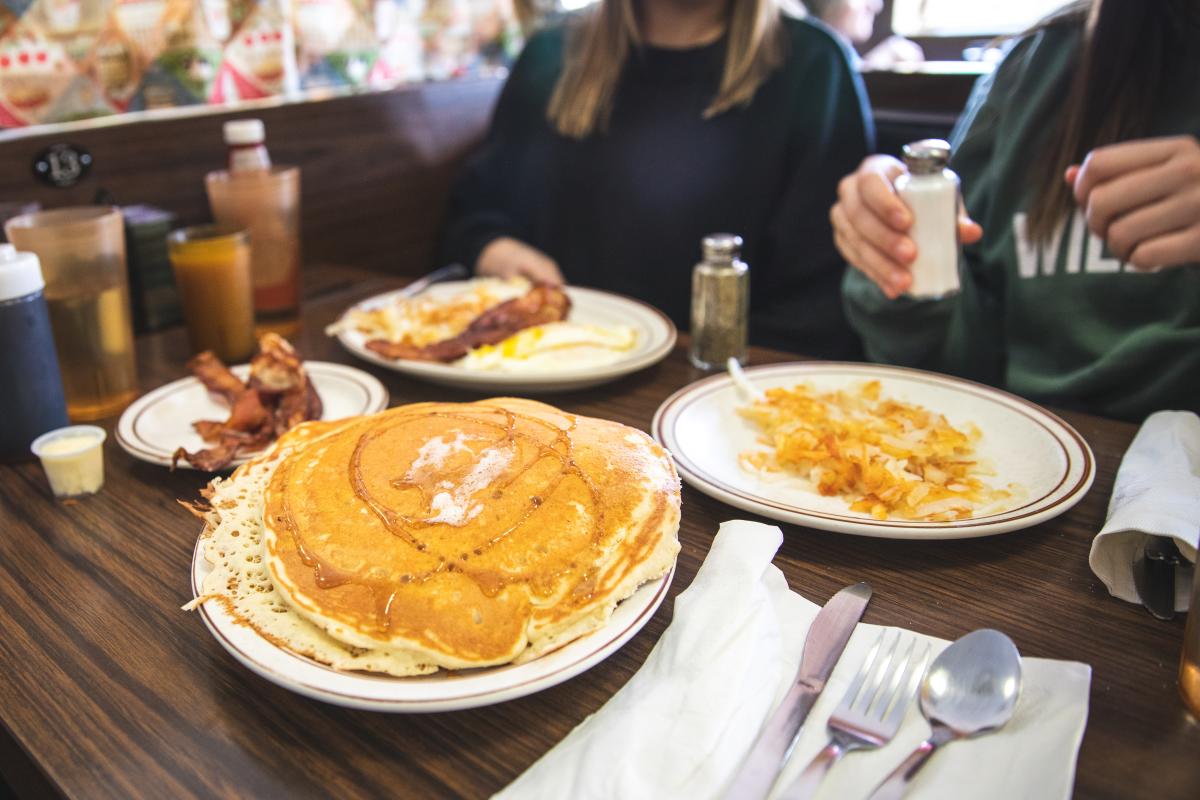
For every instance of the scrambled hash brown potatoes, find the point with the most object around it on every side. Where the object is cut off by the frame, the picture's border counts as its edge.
(888, 458)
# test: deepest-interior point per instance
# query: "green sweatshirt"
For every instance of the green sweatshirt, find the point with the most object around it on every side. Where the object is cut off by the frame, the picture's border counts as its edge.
(1068, 325)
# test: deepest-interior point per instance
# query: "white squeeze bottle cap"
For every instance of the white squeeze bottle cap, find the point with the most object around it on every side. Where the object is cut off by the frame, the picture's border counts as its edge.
(931, 193)
(20, 273)
(244, 132)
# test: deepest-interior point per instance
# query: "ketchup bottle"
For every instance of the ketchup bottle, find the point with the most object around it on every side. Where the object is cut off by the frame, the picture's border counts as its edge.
(246, 140)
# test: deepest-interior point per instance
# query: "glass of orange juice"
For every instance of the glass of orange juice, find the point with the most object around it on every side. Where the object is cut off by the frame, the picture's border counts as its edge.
(216, 286)
(82, 250)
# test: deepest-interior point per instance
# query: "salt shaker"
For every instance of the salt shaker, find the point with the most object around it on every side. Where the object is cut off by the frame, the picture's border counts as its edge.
(720, 303)
(931, 192)
(32, 401)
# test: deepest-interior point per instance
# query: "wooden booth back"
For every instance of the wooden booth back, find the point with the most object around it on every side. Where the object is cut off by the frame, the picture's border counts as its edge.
(376, 168)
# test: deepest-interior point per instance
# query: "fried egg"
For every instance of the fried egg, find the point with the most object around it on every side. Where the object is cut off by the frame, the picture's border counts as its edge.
(556, 345)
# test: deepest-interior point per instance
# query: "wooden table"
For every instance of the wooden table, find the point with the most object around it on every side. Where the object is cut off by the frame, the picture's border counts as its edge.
(109, 690)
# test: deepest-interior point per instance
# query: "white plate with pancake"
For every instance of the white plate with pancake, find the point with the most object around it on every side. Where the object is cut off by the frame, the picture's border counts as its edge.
(491, 539)
(159, 422)
(1024, 444)
(655, 337)
(444, 690)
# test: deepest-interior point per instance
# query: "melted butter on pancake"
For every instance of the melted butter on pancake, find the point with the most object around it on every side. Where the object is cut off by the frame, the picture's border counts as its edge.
(467, 534)
(452, 498)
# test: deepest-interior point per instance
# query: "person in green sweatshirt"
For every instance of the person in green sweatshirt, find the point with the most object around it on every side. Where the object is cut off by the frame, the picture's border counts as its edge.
(1080, 172)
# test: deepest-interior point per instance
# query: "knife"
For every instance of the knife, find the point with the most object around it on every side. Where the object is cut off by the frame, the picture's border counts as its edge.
(827, 637)
(447, 273)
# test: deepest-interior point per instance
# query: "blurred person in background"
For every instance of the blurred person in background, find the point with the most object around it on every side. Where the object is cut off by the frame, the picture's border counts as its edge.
(1080, 167)
(628, 132)
(855, 21)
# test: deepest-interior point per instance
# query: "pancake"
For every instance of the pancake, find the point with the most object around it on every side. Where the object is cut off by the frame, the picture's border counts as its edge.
(444, 535)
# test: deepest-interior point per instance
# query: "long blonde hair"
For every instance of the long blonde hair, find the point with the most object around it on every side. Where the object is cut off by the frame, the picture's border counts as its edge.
(604, 37)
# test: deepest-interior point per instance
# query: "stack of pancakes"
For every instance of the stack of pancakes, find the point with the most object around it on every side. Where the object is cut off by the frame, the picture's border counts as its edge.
(441, 535)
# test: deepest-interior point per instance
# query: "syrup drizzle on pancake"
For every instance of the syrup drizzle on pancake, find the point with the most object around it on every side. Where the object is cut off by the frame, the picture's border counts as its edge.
(326, 551)
(409, 528)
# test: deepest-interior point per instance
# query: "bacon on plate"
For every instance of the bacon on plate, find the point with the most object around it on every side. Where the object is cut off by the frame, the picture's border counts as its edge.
(541, 305)
(276, 397)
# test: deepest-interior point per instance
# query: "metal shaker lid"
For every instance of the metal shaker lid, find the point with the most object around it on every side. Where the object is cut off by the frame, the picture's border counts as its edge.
(926, 156)
(20, 273)
(721, 247)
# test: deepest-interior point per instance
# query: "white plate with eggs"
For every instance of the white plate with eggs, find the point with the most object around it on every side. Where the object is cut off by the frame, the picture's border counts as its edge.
(606, 336)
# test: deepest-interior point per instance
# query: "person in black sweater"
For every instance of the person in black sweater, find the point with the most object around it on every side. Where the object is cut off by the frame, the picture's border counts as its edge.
(625, 135)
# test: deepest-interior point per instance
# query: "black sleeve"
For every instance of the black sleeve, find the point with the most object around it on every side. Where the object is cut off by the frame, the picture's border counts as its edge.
(832, 131)
(483, 203)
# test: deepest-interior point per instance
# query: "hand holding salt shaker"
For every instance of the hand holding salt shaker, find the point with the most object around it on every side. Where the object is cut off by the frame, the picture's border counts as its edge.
(931, 192)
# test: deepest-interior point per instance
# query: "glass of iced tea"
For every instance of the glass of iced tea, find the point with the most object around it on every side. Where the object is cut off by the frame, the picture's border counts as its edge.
(267, 205)
(82, 250)
(212, 271)
(1189, 662)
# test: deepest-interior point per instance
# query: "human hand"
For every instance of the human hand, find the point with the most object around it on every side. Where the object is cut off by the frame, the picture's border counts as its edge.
(892, 51)
(506, 257)
(1143, 198)
(870, 222)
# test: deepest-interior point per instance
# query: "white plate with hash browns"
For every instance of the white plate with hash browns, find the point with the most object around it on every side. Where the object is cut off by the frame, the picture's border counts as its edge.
(1021, 465)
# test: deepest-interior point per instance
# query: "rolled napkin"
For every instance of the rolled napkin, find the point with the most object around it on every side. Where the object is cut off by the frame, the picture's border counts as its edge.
(682, 725)
(1156, 493)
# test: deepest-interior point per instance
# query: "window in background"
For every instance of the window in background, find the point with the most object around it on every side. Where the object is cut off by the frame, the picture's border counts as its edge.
(913, 18)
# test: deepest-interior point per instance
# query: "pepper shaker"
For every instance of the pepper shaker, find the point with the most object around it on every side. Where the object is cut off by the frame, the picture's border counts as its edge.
(720, 303)
(32, 402)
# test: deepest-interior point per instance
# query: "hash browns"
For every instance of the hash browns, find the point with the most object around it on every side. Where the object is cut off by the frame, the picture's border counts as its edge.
(888, 458)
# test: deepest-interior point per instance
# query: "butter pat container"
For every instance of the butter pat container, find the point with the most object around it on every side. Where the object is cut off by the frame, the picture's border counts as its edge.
(73, 458)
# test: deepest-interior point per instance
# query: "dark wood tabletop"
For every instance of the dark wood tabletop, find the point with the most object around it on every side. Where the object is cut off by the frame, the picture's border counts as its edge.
(108, 689)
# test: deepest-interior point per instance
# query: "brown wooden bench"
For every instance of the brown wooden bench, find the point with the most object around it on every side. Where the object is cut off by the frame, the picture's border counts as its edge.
(377, 167)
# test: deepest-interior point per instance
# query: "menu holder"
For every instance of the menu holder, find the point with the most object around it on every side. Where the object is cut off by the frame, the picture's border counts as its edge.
(152, 290)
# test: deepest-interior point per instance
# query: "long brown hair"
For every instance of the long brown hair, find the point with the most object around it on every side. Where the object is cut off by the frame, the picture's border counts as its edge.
(1132, 52)
(606, 35)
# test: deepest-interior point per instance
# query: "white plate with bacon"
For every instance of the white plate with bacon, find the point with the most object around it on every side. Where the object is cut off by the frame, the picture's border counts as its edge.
(875, 450)
(165, 426)
(501, 337)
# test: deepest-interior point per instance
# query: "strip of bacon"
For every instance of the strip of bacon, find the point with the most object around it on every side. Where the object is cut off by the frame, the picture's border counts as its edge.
(277, 396)
(215, 376)
(542, 304)
(276, 368)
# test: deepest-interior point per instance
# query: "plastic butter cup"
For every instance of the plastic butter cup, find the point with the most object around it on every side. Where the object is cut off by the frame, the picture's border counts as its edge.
(73, 458)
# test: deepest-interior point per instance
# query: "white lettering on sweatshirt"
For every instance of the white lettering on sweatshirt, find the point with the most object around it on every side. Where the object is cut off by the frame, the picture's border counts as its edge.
(1085, 250)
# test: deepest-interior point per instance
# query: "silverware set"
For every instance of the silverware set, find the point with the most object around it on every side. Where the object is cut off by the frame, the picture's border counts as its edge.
(971, 688)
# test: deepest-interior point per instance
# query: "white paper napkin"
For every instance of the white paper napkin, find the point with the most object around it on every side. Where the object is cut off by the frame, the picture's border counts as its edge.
(681, 726)
(1156, 493)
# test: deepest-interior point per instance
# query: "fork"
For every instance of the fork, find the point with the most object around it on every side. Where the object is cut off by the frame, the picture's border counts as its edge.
(871, 710)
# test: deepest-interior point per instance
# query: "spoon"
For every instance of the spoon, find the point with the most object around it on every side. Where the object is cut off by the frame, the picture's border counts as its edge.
(971, 688)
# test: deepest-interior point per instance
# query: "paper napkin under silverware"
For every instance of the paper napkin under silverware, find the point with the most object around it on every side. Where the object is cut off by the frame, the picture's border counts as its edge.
(682, 724)
(1156, 493)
